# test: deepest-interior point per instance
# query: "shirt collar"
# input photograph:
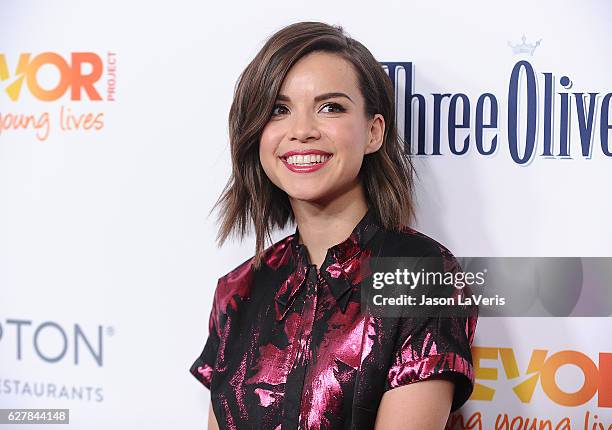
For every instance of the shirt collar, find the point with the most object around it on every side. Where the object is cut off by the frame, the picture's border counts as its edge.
(340, 269)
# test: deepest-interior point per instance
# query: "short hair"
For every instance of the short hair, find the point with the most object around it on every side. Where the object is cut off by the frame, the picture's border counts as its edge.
(249, 196)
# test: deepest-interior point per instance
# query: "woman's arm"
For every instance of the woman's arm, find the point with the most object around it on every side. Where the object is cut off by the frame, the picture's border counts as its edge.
(212, 421)
(423, 405)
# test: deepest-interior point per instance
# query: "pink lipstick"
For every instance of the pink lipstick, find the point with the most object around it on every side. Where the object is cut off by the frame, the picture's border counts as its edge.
(308, 167)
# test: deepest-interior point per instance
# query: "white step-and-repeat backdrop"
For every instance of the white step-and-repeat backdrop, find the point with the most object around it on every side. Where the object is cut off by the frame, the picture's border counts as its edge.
(113, 148)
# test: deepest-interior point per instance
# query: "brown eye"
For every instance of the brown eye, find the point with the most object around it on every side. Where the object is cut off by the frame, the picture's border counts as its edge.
(336, 108)
(275, 111)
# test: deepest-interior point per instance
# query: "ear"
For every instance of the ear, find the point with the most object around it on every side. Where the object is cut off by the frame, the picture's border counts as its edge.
(376, 133)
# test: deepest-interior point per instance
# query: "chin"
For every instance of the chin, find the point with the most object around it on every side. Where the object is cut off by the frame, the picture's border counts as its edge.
(307, 195)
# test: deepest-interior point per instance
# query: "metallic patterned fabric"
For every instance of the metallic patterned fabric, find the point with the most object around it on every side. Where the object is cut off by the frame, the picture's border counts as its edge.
(289, 346)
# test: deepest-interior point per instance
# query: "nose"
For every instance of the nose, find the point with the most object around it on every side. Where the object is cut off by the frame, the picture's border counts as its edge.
(304, 127)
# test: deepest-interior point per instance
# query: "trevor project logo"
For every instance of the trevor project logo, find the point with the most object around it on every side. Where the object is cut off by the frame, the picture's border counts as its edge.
(79, 78)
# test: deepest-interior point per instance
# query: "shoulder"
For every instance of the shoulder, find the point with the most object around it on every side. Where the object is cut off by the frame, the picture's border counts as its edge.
(238, 282)
(406, 241)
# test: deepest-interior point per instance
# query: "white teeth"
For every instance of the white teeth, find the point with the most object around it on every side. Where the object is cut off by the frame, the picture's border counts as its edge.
(305, 160)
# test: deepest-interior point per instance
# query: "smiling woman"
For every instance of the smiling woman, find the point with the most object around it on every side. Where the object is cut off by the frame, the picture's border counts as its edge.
(313, 120)
(314, 142)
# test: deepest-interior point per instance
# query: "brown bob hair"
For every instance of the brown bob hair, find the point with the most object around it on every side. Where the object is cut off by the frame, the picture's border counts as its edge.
(249, 195)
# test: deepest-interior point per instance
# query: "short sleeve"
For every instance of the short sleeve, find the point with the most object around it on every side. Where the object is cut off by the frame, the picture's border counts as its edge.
(202, 368)
(437, 346)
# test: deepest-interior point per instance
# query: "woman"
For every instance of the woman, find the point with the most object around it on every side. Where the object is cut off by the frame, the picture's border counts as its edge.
(314, 142)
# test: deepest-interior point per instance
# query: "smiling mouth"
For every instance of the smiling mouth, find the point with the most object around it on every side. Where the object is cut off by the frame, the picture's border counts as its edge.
(306, 160)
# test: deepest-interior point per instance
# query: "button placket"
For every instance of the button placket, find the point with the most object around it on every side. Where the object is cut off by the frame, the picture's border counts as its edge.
(302, 355)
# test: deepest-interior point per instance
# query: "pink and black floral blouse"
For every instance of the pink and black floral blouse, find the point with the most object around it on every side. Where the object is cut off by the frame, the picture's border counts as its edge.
(289, 346)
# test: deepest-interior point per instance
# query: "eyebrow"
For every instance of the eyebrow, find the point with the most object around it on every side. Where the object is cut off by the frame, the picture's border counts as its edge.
(318, 98)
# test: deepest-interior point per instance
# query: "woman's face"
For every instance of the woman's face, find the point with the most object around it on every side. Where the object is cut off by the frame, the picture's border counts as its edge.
(320, 114)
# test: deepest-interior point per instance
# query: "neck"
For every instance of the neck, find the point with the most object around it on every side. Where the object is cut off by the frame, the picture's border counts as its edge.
(322, 226)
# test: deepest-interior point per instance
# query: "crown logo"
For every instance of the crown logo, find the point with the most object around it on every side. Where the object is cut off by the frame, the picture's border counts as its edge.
(523, 47)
